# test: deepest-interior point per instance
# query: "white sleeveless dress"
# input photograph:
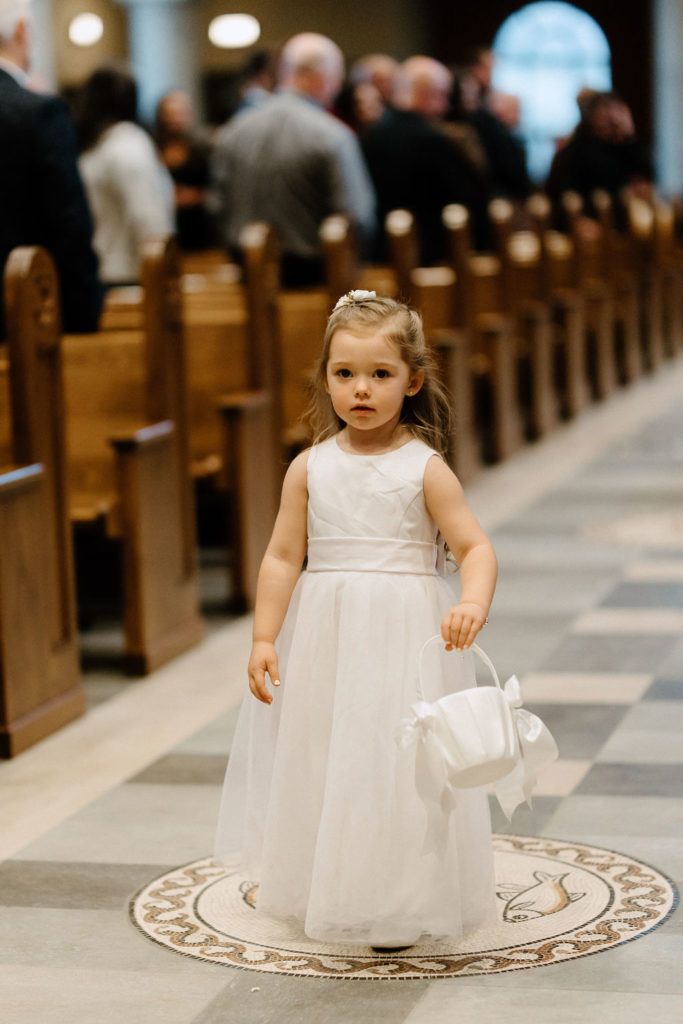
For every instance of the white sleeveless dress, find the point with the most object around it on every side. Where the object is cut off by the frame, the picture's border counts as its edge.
(319, 804)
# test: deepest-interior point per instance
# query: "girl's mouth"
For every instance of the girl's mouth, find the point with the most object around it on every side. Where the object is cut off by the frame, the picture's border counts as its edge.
(362, 408)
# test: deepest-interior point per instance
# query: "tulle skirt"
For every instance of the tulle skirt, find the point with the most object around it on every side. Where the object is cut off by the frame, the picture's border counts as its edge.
(319, 804)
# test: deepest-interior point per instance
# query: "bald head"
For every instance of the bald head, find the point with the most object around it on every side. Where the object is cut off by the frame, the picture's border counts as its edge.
(377, 69)
(15, 16)
(313, 65)
(424, 86)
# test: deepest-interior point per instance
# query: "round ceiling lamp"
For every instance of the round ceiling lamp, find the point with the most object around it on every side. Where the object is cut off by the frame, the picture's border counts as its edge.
(231, 31)
(86, 29)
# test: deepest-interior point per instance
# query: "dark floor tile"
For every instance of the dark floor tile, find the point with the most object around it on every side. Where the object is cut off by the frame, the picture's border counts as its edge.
(633, 780)
(669, 665)
(638, 594)
(580, 730)
(72, 885)
(587, 653)
(288, 1000)
(185, 769)
(665, 689)
(526, 821)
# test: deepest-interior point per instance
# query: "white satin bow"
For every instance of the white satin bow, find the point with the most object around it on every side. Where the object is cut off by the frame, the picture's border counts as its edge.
(536, 749)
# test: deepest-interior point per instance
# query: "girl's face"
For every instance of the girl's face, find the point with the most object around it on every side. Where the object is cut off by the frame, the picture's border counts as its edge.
(367, 380)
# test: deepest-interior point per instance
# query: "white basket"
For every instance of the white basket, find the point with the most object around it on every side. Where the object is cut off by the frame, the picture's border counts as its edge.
(473, 730)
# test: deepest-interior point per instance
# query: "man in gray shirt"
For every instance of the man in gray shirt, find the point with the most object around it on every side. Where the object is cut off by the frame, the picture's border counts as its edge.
(292, 164)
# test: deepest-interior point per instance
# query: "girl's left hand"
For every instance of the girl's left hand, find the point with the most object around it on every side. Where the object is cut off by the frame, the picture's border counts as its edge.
(461, 625)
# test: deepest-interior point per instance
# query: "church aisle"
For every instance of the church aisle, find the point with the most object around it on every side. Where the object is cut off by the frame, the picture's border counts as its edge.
(588, 526)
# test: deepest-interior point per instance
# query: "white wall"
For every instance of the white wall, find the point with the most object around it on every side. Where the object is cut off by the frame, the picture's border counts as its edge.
(668, 94)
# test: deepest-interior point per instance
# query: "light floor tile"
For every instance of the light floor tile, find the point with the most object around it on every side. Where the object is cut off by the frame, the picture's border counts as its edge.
(632, 621)
(626, 779)
(445, 1003)
(289, 1000)
(84, 940)
(137, 824)
(663, 570)
(654, 530)
(625, 816)
(561, 777)
(655, 716)
(214, 738)
(72, 885)
(639, 746)
(585, 687)
(32, 994)
(57, 777)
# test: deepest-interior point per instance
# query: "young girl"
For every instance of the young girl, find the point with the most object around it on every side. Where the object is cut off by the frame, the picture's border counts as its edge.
(319, 804)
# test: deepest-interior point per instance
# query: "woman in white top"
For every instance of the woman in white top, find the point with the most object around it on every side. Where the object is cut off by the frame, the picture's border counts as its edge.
(129, 190)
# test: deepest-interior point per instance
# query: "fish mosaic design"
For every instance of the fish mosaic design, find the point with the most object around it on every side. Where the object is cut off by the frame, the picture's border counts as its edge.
(249, 892)
(547, 896)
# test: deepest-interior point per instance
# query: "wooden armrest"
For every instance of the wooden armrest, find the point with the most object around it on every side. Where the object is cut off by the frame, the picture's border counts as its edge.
(447, 338)
(243, 400)
(156, 433)
(491, 322)
(21, 477)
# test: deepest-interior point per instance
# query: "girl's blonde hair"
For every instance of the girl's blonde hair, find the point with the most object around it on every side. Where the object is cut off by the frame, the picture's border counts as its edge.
(427, 413)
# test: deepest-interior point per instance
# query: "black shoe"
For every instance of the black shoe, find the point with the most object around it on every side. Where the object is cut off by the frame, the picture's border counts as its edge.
(389, 949)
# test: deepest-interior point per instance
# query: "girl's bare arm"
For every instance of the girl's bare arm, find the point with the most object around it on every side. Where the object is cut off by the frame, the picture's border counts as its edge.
(471, 548)
(277, 577)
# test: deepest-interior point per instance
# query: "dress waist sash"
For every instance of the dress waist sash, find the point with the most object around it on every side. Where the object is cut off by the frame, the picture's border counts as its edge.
(371, 554)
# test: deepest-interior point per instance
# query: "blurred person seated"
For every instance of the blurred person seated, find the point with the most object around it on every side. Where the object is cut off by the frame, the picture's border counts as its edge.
(380, 71)
(414, 165)
(186, 157)
(258, 83)
(493, 115)
(292, 164)
(43, 200)
(604, 152)
(129, 190)
(368, 91)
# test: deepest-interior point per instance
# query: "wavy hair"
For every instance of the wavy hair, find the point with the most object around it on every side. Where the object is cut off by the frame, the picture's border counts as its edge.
(427, 414)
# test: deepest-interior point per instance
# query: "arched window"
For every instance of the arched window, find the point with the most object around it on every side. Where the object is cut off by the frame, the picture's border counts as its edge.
(545, 54)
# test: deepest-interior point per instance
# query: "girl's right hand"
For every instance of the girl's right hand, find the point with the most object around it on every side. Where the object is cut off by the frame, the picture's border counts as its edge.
(263, 659)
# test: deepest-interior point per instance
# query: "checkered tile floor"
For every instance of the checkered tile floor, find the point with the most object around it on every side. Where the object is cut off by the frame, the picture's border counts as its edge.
(589, 615)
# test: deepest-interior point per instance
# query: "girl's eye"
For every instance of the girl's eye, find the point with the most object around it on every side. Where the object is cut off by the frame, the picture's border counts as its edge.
(381, 374)
(344, 373)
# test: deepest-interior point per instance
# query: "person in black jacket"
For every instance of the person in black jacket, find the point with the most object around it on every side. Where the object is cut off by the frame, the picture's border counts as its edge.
(414, 165)
(41, 193)
(604, 152)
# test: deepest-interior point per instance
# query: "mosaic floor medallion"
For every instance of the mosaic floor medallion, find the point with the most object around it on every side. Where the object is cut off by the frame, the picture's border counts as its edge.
(557, 900)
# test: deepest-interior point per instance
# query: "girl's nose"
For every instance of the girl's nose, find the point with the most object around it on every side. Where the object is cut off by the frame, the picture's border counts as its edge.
(362, 386)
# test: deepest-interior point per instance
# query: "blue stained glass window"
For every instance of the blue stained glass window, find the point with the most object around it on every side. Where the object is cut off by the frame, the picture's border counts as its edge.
(545, 54)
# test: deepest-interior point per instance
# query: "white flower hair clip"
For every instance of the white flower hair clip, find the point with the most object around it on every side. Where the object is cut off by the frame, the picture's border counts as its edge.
(355, 296)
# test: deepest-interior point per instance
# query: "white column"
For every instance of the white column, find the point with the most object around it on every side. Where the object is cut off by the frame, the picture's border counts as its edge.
(43, 61)
(161, 40)
(668, 92)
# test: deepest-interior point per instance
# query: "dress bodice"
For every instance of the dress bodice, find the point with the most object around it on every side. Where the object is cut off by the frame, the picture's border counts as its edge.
(378, 502)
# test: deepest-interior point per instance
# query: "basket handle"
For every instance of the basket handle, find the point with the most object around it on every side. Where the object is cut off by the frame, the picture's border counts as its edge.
(475, 650)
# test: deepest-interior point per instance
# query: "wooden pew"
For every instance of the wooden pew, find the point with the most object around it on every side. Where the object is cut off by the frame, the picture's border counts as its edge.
(234, 415)
(631, 304)
(523, 300)
(567, 306)
(40, 685)
(668, 256)
(642, 235)
(598, 292)
(127, 465)
(477, 310)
